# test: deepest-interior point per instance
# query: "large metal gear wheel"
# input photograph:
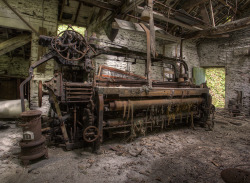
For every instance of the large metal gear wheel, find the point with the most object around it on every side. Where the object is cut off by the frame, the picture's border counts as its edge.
(91, 134)
(70, 45)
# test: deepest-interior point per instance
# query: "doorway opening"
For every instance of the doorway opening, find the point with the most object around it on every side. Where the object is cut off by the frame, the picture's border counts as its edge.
(215, 77)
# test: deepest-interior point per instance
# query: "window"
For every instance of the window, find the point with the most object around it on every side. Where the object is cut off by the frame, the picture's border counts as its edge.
(168, 72)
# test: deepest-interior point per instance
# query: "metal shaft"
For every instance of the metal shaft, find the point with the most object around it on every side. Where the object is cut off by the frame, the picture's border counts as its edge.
(140, 104)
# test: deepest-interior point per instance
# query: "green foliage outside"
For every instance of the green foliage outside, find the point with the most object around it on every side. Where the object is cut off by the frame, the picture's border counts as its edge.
(63, 27)
(215, 78)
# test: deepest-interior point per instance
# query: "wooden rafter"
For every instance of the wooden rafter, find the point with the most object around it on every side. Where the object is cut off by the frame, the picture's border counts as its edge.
(221, 29)
(99, 4)
(161, 17)
(190, 4)
(228, 5)
(77, 12)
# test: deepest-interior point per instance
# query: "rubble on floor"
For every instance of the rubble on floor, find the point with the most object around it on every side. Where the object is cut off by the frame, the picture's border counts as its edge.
(180, 154)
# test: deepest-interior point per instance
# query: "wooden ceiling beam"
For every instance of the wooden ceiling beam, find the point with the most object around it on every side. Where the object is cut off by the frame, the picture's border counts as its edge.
(190, 4)
(220, 29)
(13, 43)
(99, 4)
(128, 8)
(61, 13)
(161, 17)
(228, 5)
(77, 12)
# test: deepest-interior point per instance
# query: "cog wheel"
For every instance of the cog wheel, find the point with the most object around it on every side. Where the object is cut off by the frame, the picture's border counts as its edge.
(88, 117)
(91, 134)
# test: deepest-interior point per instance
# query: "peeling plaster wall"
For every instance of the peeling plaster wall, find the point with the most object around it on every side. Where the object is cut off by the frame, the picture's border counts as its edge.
(233, 54)
(40, 14)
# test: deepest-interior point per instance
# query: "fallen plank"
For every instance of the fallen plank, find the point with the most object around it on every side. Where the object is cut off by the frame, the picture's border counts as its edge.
(13, 43)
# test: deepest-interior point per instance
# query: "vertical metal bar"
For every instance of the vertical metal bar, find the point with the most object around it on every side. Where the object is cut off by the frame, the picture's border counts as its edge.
(100, 109)
(75, 122)
(181, 55)
(148, 68)
(152, 28)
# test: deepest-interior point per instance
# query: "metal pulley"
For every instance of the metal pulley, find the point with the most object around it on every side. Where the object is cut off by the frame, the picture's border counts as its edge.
(91, 134)
(145, 15)
(70, 45)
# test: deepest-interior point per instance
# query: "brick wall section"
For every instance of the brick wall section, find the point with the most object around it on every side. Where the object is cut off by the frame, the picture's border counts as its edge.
(233, 54)
(39, 13)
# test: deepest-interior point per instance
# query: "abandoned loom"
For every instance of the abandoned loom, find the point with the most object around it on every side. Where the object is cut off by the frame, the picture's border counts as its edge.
(89, 107)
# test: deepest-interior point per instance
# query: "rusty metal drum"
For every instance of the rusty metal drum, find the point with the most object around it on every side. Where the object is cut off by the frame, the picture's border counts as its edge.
(33, 143)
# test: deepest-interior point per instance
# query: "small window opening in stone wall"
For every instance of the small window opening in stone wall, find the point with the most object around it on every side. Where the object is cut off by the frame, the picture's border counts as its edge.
(215, 78)
(63, 27)
(168, 73)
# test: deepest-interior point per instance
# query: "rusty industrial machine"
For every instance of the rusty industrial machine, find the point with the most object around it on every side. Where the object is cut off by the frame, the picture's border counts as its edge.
(89, 107)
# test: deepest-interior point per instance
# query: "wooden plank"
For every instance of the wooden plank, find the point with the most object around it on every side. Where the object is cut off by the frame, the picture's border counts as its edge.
(228, 5)
(61, 13)
(204, 13)
(127, 8)
(13, 43)
(94, 15)
(160, 16)
(211, 12)
(100, 4)
(77, 12)
(41, 51)
(190, 4)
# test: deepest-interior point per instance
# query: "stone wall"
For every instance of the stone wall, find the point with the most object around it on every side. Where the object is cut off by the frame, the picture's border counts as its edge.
(232, 53)
(14, 66)
(136, 41)
(41, 14)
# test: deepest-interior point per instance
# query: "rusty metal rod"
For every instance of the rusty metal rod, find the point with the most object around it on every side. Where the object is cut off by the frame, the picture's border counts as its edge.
(140, 104)
(120, 121)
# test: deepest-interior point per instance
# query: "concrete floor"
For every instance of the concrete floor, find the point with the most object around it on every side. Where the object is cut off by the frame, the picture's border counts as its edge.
(177, 155)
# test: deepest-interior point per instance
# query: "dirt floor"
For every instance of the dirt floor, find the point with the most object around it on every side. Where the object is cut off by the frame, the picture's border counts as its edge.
(177, 155)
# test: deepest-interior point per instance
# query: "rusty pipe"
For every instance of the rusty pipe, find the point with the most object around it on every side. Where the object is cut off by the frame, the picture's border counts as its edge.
(121, 121)
(140, 104)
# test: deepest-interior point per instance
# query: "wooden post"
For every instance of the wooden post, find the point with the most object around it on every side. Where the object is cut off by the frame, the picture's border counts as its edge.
(211, 11)
(148, 66)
